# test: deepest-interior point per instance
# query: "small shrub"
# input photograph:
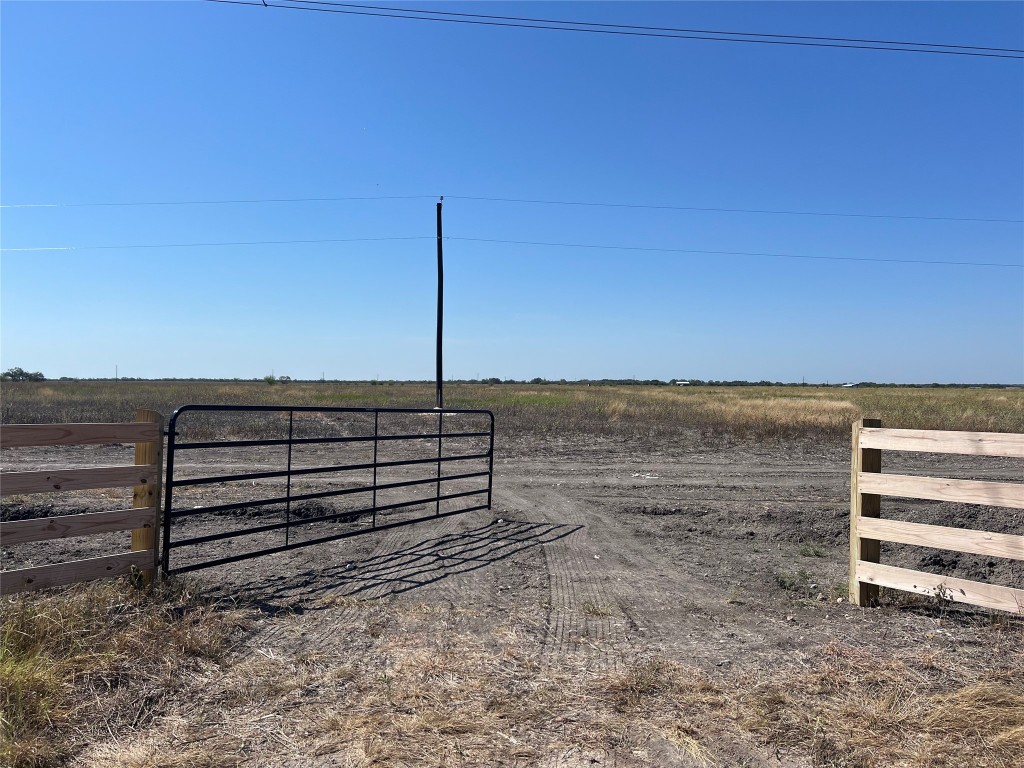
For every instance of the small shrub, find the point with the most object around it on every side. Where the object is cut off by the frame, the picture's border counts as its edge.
(811, 550)
(794, 582)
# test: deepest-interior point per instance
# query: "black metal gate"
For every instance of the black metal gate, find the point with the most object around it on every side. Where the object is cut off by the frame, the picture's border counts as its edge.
(244, 481)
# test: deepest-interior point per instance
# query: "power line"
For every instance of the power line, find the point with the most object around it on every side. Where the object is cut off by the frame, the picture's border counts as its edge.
(581, 203)
(656, 29)
(218, 202)
(734, 210)
(535, 243)
(211, 245)
(324, 7)
(737, 253)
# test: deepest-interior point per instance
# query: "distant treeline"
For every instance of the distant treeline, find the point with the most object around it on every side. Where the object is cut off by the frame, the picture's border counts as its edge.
(536, 381)
(19, 374)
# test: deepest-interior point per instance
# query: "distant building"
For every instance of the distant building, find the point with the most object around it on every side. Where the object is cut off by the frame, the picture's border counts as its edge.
(682, 383)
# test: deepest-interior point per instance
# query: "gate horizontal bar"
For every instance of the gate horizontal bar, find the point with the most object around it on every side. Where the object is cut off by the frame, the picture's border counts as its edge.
(324, 440)
(322, 519)
(328, 409)
(321, 470)
(318, 495)
(321, 540)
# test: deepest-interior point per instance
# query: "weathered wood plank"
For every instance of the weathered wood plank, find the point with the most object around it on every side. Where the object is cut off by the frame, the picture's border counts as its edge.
(86, 524)
(863, 506)
(944, 489)
(946, 587)
(1005, 444)
(22, 435)
(72, 572)
(49, 480)
(941, 537)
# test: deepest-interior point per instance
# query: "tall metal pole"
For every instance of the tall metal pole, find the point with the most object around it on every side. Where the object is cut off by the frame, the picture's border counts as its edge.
(440, 304)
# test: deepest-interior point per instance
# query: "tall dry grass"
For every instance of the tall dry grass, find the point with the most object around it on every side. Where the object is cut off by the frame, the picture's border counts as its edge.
(572, 410)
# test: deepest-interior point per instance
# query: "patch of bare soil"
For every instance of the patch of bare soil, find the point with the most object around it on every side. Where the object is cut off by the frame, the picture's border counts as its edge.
(622, 604)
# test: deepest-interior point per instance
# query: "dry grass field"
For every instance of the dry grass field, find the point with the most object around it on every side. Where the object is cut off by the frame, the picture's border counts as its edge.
(661, 582)
(570, 410)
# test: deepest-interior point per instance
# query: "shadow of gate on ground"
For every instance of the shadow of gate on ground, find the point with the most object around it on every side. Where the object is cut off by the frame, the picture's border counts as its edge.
(411, 567)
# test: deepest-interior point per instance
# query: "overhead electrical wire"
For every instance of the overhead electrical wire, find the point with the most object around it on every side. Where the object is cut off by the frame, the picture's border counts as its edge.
(738, 253)
(212, 245)
(581, 203)
(655, 29)
(735, 210)
(625, 30)
(217, 202)
(533, 243)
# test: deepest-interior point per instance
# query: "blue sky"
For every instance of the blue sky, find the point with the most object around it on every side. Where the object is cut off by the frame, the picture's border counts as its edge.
(185, 101)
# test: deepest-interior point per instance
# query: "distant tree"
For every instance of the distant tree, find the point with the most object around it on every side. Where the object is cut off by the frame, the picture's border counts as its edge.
(18, 374)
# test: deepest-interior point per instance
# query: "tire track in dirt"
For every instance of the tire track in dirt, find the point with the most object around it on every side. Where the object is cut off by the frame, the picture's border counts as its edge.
(648, 600)
(678, 596)
(580, 617)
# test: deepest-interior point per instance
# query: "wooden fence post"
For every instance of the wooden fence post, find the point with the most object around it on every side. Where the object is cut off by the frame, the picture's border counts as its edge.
(863, 505)
(149, 495)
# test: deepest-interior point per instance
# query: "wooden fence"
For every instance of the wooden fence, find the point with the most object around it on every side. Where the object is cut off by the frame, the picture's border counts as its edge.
(868, 529)
(142, 519)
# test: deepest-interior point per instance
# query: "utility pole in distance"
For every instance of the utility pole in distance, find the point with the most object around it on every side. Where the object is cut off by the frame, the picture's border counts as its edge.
(440, 304)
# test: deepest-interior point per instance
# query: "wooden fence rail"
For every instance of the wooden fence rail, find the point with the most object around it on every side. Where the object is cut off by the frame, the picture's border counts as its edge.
(868, 529)
(142, 520)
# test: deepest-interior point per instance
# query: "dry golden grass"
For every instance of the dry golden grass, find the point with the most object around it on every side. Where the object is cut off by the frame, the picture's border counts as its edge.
(416, 689)
(571, 410)
(155, 754)
(856, 708)
(73, 658)
(465, 705)
(108, 677)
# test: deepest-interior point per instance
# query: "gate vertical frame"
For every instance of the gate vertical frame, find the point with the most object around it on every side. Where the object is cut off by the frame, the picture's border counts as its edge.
(490, 464)
(376, 442)
(288, 482)
(165, 554)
